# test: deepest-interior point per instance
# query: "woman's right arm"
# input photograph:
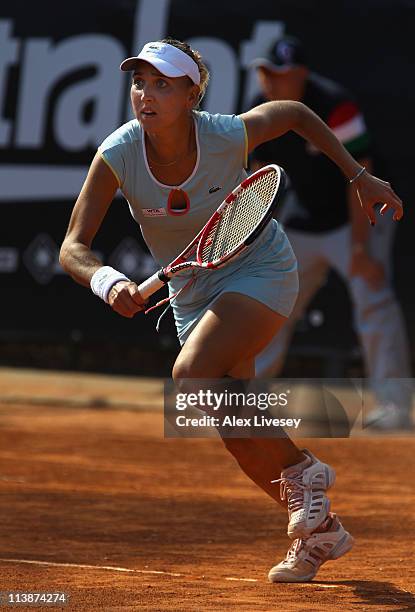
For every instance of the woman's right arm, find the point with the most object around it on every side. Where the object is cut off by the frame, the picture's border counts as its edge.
(76, 256)
(97, 193)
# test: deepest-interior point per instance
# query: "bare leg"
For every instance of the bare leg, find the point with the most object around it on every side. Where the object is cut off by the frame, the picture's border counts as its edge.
(223, 344)
(263, 460)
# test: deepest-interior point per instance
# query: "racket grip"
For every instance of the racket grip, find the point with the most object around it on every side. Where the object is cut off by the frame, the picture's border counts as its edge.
(151, 285)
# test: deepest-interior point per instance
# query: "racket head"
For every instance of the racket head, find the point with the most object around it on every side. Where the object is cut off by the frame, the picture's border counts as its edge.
(241, 217)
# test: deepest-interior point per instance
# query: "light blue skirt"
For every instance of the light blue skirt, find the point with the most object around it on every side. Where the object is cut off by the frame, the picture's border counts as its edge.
(266, 271)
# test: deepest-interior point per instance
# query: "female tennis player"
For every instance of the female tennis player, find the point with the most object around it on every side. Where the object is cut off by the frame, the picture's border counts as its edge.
(175, 164)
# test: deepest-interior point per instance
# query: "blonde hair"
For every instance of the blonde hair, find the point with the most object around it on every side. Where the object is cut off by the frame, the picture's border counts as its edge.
(196, 57)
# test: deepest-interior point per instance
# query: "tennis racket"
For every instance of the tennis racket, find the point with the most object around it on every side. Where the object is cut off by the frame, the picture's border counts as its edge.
(238, 221)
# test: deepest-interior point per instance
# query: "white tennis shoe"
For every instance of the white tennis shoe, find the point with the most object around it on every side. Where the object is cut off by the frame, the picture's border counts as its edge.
(305, 557)
(304, 489)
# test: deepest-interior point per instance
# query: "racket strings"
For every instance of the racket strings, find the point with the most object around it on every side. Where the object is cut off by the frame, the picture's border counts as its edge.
(241, 217)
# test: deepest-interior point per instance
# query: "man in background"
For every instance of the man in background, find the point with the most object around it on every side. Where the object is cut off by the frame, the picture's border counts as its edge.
(328, 230)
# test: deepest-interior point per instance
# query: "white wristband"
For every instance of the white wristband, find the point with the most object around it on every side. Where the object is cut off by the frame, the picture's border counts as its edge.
(104, 279)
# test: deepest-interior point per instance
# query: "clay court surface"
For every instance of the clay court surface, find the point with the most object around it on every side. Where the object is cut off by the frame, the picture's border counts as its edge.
(96, 503)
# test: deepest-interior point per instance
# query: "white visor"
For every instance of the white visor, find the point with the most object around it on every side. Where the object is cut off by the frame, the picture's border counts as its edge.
(169, 60)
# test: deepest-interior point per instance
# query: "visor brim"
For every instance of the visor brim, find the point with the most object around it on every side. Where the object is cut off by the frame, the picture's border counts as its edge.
(129, 64)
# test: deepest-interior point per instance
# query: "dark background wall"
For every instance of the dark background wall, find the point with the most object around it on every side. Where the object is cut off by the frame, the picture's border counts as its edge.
(61, 94)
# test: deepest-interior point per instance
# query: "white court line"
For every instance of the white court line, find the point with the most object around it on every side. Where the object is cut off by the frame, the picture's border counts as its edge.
(243, 579)
(113, 569)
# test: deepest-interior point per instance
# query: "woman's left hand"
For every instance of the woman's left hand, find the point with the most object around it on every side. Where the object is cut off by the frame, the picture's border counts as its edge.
(371, 191)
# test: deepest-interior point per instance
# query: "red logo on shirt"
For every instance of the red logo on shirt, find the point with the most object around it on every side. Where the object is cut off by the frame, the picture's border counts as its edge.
(178, 202)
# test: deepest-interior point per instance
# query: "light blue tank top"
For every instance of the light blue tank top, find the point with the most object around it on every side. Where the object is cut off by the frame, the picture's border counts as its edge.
(221, 158)
(262, 271)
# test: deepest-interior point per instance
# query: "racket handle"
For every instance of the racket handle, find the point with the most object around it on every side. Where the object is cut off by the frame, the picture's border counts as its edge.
(151, 285)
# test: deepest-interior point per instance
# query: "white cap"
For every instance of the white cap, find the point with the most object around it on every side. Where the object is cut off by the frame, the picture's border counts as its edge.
(169, 60)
